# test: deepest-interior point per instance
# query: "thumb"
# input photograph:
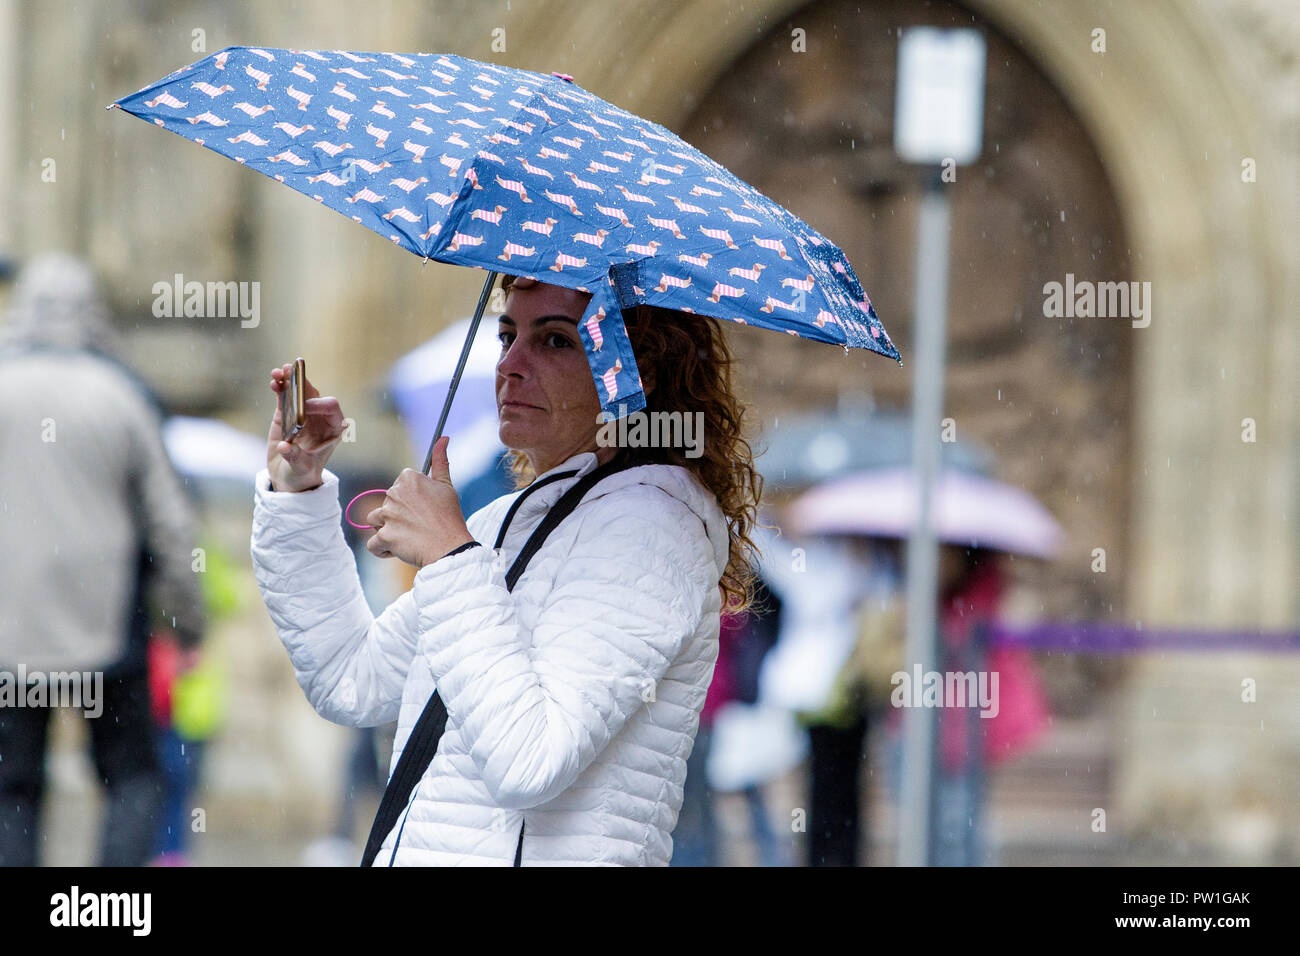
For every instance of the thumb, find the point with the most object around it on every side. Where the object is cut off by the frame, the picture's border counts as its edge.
(439, 467)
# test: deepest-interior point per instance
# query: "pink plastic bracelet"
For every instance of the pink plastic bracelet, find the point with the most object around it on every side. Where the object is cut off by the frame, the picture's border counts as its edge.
(347, 511)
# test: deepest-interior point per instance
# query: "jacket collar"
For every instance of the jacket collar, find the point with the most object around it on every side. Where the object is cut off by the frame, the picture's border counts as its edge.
(584, 461)
(677, 481)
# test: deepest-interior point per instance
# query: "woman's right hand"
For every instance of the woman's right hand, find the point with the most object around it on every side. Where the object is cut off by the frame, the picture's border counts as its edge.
(299, 465)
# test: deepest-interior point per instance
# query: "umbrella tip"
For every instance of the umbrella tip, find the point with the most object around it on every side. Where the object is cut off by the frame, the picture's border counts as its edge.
(563, 76)
(112, 106)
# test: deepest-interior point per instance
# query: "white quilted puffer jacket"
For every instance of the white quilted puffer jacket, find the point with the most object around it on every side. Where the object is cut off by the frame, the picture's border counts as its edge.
(573, 700)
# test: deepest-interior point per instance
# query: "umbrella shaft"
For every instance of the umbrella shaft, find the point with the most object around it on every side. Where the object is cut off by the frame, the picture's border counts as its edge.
(460, 366)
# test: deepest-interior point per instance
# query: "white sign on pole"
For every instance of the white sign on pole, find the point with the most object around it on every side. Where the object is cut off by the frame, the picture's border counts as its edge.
(939, 110)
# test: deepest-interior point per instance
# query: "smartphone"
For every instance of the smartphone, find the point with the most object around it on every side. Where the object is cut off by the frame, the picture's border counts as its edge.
(293, 403)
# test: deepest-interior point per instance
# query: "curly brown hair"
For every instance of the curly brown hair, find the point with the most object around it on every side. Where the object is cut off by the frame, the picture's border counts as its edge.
(685, 365)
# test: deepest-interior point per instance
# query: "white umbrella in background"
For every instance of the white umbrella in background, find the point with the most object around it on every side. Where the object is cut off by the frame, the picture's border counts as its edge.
(419, 382)
(210, 450)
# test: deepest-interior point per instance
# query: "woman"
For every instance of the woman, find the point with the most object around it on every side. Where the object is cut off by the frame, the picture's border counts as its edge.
(573, 699)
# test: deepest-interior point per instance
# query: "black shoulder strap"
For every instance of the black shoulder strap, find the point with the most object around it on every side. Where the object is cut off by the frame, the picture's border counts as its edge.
(422, 744)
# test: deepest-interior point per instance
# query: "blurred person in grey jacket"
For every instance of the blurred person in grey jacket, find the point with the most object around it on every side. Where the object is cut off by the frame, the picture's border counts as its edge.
(96, 534)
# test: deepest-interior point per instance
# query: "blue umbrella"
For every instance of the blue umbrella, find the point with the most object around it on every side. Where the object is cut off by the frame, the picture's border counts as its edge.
(511, 171)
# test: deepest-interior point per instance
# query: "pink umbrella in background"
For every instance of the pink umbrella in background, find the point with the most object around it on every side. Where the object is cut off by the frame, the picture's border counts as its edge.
(968, 510)
(971, 511)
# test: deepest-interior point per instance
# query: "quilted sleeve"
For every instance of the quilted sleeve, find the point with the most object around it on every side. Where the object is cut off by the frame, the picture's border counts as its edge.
(350, 664)
(536, 713)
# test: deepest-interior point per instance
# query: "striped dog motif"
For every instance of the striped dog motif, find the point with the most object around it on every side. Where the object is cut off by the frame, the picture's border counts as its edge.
(666, 282)
(248, 108)
(702, 260)
(776, 245)
(610, 380)
(260, 78)
(721, 289)
(494, 217)
(564, 259)
(535, 170)
(593, 328)
(460, 239)
(327, 177)
(750, 274)
(582, 183)
(669, 224)
(771, 304)
(514, 249)
(616, 213)
(515, 187)
(563, 201)
(406, 185)
(169, 100)
(722, 234)
(365, 195)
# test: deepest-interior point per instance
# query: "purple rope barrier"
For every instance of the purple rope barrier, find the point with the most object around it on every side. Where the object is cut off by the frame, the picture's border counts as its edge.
(1096, 637)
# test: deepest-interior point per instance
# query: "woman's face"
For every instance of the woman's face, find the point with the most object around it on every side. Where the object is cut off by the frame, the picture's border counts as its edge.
(546, 399)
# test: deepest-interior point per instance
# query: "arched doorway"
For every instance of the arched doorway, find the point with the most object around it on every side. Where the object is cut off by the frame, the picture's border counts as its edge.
(1049, 396)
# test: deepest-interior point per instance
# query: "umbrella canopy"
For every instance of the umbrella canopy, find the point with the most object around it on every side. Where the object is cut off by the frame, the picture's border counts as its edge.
(970, 510)
(501, 169)
(803, 450)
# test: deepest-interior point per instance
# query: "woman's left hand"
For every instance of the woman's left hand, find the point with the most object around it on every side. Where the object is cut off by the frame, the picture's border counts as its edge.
(420, 519)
